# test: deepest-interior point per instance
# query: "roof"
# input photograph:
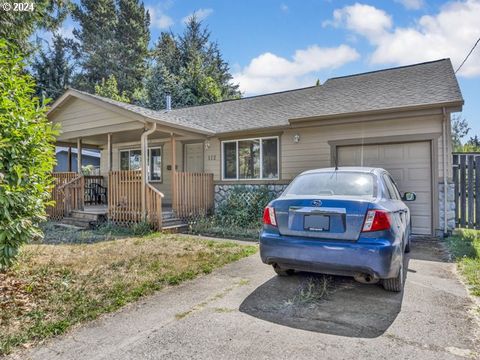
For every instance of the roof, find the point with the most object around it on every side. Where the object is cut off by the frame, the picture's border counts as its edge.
(425, 84)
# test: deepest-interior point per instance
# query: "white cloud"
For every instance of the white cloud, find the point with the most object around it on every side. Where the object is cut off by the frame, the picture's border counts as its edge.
(269, 72)
(284, 7)
(449, 33)
(158, 18)
(365, 20)
(201, 14)
(411, 4)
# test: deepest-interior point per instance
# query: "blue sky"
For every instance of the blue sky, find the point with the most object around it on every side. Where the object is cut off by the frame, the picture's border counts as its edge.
(274, 45)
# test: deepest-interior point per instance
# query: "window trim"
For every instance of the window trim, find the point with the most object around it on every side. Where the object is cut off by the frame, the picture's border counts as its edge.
(160, 147)
(236, 141)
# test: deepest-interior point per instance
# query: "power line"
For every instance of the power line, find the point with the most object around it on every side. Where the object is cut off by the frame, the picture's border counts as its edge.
(468, 55)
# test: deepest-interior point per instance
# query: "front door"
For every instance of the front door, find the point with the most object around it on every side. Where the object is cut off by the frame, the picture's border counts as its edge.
(194, 157)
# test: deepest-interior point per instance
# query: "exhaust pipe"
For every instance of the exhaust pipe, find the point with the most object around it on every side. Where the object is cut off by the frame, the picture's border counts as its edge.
(365, 278)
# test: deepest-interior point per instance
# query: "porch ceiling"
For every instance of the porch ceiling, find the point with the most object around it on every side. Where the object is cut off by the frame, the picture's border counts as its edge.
(99, 140)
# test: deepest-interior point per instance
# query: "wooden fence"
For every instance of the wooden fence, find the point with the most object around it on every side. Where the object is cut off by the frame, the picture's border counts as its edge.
(125, 199)
(57, 210)
(125, 196)
(466, 177)
(194, 194)
(74, 195)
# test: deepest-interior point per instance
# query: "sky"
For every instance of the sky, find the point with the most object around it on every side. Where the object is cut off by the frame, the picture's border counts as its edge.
(274, 45)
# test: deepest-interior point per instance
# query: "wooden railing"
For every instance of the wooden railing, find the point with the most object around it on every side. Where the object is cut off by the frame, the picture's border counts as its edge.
(125, 196)
(154, 207)
(194, 194)
(74, 195)
(125, 199)
(57, 210)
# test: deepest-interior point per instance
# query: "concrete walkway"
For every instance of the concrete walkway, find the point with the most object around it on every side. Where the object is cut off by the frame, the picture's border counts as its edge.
(243, 311)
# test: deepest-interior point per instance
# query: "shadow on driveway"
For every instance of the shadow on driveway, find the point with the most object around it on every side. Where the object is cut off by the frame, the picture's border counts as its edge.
(348, 309)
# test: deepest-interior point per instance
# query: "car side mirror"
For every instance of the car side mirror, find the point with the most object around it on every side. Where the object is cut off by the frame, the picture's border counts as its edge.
(409, 196)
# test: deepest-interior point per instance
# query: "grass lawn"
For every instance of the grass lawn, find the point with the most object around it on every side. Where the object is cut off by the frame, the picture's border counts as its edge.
(56, 286)
(465, 247)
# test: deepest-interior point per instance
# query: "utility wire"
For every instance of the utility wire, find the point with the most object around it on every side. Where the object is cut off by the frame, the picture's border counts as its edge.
(468, 55)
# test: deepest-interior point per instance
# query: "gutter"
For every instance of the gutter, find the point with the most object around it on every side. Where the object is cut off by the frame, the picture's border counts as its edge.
(144, 147)
(444, 152)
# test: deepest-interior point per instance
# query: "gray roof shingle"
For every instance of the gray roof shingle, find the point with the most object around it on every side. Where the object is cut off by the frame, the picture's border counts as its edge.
(420, 84)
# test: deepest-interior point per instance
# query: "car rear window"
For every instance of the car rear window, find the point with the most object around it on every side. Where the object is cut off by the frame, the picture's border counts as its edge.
(333, 183)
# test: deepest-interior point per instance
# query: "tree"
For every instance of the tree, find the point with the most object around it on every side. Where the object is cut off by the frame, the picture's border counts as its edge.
(460, 129)
(53, 68)
(133, 36)
(113, 40)
(109, 89)
(17, 27)
(190, 67)
(26, 155)
(97, 41)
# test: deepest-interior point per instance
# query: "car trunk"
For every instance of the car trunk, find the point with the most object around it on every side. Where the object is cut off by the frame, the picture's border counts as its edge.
(333, 218)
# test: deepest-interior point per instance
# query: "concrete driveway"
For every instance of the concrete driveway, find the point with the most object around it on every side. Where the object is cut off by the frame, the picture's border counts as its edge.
(243, 311)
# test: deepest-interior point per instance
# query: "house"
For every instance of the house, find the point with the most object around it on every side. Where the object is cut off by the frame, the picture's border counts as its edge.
(397, 118)
(67, 159)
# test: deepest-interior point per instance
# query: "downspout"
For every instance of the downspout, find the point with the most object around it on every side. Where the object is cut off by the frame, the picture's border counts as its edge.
(144, 144)
(445, 189)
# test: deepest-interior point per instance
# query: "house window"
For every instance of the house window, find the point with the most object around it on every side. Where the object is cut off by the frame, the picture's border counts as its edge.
(132, 160)
(250, 159)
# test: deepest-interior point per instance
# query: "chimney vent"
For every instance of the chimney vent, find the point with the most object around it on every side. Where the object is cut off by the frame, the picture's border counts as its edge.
(168, 102)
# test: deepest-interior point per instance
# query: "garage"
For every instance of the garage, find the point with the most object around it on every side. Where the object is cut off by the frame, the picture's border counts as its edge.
(410, 166)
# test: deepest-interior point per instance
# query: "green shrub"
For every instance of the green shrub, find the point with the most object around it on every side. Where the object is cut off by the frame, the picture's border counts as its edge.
(238, 216)
(26, 156)
(244, 207)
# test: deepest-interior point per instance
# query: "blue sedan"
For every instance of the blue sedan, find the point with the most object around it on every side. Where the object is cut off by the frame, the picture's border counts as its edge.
(350, 221)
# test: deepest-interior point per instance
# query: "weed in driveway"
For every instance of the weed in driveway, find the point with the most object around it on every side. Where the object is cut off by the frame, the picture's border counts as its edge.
(311, 291)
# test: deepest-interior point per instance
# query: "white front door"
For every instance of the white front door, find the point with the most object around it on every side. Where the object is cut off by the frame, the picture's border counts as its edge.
(194, 157)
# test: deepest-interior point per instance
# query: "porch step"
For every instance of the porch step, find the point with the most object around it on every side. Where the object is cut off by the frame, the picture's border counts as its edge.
(175, 228)
(78, 214)
(77, 222)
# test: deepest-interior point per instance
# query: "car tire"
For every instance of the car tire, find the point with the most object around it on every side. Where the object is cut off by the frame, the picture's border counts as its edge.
(407, 247)
(395, 284)
(282, 272)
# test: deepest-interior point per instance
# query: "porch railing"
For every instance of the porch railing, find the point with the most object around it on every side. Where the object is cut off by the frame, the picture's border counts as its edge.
(125, 196)
(154, 207)
(194, 194)
(57, 210)
(74, 195)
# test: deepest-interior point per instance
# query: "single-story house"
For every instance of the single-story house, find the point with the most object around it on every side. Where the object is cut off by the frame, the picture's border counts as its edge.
(67, 159)
(397, 119)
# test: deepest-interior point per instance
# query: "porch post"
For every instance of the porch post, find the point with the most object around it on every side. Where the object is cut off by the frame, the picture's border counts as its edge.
(79, 155)
(69, 159)
(109, 152)
(144, 151)
(174, 169)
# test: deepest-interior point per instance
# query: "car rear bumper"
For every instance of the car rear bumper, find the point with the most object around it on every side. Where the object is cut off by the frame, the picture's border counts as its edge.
(376, 257)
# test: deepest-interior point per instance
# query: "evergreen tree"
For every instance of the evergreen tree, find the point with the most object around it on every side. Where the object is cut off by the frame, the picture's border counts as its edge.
(17, 27)
(133, 36)
(189, 67)
(97, 41)
(53, 68)
(109, 89)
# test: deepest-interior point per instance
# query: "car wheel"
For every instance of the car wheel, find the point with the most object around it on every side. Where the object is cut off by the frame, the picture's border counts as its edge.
(395, 284)
(283, 272)
(407, 247)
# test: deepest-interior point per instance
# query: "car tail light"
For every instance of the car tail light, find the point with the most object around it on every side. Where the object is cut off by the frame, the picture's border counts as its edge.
(269, 216)
(376, 220)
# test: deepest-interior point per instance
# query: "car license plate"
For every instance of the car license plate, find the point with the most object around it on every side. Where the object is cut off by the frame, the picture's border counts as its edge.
(316, 222)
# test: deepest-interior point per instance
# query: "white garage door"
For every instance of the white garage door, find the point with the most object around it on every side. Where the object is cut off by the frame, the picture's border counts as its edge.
(410, 166)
